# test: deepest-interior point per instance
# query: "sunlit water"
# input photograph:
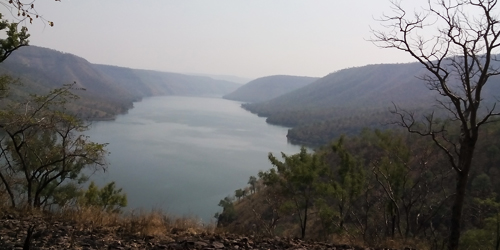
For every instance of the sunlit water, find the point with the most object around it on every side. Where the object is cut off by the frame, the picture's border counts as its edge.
(184, 154)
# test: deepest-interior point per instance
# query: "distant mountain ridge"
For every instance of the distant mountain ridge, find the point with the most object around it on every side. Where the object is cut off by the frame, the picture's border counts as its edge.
(269, 87)
(152, 83)
(351, 99)
(110, 90)
(230, 78)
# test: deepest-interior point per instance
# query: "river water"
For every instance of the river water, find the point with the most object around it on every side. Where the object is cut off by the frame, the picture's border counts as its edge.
(184, 154)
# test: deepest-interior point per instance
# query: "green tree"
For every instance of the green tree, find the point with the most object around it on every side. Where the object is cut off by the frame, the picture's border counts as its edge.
(252, 181)
(487, 233)
(64, 195)
(339, 187)
(391, 173)
(228, 214)
(239, 193)
(296, 178)
(350, 179)
(456, 42)
(108, 198)
(485, 215)
(43, 147)
(14, 40)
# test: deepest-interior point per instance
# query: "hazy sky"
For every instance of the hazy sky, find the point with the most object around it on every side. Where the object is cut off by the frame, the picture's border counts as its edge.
(251, 38)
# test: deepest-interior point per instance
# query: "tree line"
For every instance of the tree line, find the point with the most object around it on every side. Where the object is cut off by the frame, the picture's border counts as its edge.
(372, 187)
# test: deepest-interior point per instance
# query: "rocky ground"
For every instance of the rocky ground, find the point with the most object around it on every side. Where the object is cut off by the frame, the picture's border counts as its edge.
(36, 232)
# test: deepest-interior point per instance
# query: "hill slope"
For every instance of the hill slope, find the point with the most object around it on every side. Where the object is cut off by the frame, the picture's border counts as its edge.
(348, 100)
(368, 86)
(110, 90)
(144, 83)
(269, 87)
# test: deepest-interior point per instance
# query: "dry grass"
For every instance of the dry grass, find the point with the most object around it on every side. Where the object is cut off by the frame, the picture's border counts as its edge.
(4, 199)
(139, 223)
(88, 217)
(402, 243)
(157, 223)
(153, 223)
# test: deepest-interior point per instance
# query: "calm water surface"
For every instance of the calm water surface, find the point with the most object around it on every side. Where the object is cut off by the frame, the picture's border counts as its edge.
(184, 154)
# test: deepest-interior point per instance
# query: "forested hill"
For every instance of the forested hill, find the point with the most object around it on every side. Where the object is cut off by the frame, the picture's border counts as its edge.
(152, 83)
(365, 87)
(110, 90)
(269, 87)
(348, 100)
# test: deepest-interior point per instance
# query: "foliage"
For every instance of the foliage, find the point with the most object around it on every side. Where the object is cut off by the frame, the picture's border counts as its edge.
(14, 40)
(239, 193)
(296, 179)
(343, 185)
(252, 181)
(228, 214)
(487, 237)
(42, 147)
(108, 198)
(65, 195)
(376, 187)
(5, 82)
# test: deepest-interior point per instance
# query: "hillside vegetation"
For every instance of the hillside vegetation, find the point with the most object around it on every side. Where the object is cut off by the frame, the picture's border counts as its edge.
(110, 90)
(346, 101)
(378, 188)
(269, 87)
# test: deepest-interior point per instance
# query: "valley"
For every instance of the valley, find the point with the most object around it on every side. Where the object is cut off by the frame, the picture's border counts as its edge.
(178, 143)
(250, 125)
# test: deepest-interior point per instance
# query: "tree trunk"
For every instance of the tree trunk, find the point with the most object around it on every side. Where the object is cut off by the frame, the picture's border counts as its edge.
(456, 212)
(407, 229)
(9, 191)
(303, 227)
(393, 227)
(36, 202)
(30, 196)
(466, 153)
(341, 212)
(497, 245)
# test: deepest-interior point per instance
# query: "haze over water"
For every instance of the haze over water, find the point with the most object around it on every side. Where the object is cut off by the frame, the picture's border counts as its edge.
(184, 154)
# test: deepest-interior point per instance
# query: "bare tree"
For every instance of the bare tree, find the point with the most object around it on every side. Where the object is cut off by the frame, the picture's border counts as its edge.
(455, 41)
(24, 10)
